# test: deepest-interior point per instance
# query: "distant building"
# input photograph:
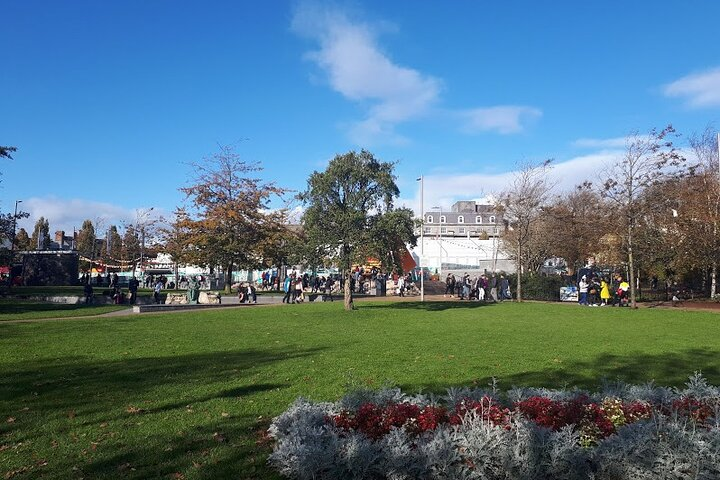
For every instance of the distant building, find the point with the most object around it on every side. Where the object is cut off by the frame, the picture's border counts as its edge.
(464, 219)
(464, 238)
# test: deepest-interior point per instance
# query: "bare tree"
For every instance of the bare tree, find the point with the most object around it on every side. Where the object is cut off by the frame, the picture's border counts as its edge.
(705, 207)
(521, 206)
(574, 223)
(648, 160)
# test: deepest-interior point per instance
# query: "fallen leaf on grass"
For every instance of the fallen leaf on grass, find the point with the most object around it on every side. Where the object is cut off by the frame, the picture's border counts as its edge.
(71, 414)
(11, 420)
(225, 414)
(134, 410)
(13, 473)
(219, 437)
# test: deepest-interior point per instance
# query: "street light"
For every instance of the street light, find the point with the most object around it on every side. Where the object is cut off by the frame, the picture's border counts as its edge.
(142, 223)
(422, 238)
(12, 246)
(440, 239)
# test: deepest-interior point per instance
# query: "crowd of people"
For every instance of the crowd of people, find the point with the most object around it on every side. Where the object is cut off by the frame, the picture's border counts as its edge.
(599, 291)
(483, 288)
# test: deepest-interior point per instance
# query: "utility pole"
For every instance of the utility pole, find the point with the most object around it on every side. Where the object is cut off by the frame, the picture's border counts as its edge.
(12, 246)
(422, 238)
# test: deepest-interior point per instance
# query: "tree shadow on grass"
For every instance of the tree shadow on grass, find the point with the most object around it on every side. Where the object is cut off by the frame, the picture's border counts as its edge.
(141, 417)
(85, 378)
(666, 369)
(427, 306)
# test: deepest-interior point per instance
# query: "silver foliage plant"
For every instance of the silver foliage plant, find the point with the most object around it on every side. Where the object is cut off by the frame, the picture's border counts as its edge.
(667, 445)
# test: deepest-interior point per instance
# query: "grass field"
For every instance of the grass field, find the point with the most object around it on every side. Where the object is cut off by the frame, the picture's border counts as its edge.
(29, 310)
(187, 395)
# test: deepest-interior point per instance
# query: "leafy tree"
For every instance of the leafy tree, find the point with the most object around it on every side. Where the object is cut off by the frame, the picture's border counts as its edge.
(86, 244)
(232, 219)
(574, 223)
(41, 235)
(648, 160)
(350, 214)
(174, 238)
(131, 247)
(522, 206)
(22, 240)
(111, 249)
(6, 151)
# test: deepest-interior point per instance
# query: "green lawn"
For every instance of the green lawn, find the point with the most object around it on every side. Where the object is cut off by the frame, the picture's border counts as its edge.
(190, 393)
(28, 310)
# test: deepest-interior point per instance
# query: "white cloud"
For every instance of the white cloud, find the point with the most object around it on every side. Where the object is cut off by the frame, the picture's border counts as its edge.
(503, 119)
(444, 190)
(700, 90)
(69, 214)
(358, 69)
(618, 142)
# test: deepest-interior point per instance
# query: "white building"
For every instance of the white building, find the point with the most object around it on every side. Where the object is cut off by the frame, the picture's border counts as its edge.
(464, 238)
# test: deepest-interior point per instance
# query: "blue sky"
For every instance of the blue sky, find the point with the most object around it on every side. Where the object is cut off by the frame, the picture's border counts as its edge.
(107, 102)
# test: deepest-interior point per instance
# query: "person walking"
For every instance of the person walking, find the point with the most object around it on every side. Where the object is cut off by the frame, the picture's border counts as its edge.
(492, 285)
(288, 288)
(582, 291)
(604, 292)
(156, 291)
(449, 285)
(133, 285)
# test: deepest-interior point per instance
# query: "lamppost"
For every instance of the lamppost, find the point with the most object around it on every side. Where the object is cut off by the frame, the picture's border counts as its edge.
(12, 246)
(142, 223)
(422, 238)
(440, 239)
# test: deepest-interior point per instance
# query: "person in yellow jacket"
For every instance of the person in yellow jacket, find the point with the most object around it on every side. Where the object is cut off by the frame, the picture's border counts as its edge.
(604, 292)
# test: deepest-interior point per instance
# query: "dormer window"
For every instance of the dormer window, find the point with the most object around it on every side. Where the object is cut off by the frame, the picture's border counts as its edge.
(443, 219)
(429, 219)
(478, 219)
(492, 219)
(461, 219)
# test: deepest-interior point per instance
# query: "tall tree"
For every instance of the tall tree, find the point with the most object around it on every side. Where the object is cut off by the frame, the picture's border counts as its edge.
(41, 235)
(130, 247)
(700, 209)
(111, 249)
(6, 151)
(22, 240)
(232, 216)
(174, 238)
(350, 213)
(521, 205)
(648, 160)
(86, 244)
(574, 223)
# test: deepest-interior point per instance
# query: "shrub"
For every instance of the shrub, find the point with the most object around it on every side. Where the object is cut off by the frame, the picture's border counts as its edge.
(537, 287)
(617, 433)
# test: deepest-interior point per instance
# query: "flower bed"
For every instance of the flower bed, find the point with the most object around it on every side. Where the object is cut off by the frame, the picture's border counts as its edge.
(621, 432)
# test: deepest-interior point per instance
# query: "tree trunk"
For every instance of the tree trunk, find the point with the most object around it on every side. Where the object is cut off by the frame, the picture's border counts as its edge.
(228, 278)
(348, 300)
(519, 275)
(713, 279)
(631, 268)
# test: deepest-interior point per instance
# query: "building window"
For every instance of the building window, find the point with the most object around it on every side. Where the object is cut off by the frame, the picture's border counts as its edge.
(429, 219)
(492, 220)
(478, 219)
(443, 230)
(442, 219)
(461, 230)
(496, 231)
(428, 230)
(461, 219)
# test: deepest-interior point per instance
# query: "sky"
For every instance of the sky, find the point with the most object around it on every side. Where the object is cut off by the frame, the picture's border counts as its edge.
(109, 103)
